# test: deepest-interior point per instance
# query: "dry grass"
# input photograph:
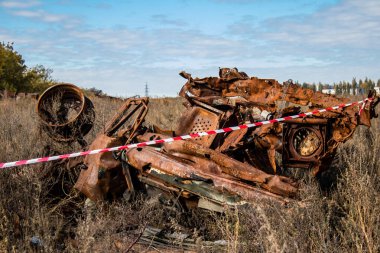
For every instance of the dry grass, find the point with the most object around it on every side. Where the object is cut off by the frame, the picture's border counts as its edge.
(38, 201)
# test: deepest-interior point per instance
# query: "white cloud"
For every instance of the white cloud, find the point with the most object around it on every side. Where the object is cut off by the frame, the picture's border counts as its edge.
(349, 23)
(332, 44)
(39, 15)
(346, 33)
(27, 9)
(19, 4)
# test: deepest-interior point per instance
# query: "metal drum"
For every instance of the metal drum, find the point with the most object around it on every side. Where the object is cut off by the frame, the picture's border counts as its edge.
(66, 114)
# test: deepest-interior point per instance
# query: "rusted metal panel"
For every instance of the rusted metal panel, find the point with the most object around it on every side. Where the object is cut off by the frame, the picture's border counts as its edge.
(198, 119)
(102, 176)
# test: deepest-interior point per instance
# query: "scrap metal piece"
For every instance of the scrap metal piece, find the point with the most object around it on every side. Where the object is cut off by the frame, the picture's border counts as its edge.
(65, 113)
(305, 141)
(229, 167)
(198, 119)
(255, 95)
(132, 114)
(104, 177)
(167, 167)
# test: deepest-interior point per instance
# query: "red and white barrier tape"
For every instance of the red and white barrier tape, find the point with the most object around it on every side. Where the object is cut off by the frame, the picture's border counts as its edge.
(177, 138)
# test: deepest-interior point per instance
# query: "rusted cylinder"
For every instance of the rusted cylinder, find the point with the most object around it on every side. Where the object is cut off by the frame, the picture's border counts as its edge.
(65, 113)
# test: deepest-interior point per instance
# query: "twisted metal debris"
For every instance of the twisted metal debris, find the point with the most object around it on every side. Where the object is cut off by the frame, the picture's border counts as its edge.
(226, 168)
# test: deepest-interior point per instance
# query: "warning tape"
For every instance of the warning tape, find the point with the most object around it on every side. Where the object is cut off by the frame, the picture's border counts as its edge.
(177, 138)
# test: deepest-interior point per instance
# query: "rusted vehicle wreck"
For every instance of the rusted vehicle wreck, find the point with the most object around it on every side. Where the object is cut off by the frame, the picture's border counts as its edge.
(225, 168)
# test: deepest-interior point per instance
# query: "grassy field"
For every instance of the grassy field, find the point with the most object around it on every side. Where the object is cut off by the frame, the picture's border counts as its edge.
(41, 212)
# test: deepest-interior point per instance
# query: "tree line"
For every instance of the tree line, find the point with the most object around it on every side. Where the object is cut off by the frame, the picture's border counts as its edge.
(355, 87)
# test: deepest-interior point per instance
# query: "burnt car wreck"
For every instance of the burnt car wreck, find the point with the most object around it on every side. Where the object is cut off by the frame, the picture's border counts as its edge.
(209, 171)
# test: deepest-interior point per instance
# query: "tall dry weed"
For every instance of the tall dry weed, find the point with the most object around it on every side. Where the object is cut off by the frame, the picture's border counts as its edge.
(40, 212)
(358, 192)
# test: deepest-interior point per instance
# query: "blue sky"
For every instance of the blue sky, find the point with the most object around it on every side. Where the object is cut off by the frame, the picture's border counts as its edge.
(117, 46)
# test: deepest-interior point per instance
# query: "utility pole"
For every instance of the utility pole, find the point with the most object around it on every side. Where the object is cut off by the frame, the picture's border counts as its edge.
(146, 90)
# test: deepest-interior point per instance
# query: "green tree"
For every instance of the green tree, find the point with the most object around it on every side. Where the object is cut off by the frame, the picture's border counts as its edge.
(360, 86)
(340, 89)
(354, 86)
(336, 88)
(364, 85)
(344, 88)
(12, 68)
(371, 84)
(320, 86)
(38, 79)
(16, 76)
